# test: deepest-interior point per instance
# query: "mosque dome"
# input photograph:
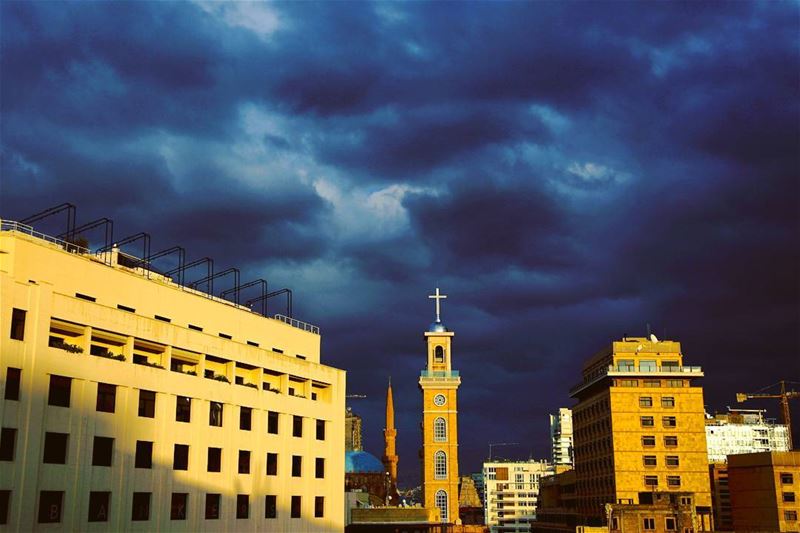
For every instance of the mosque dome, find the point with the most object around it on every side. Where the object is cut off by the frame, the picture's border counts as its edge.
(437, 327)
(361, 462)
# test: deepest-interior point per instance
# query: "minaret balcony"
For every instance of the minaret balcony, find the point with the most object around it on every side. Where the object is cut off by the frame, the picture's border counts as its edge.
(439, 375)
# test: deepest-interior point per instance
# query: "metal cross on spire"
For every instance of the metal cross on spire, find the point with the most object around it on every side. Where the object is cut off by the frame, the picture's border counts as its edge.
(437, 297)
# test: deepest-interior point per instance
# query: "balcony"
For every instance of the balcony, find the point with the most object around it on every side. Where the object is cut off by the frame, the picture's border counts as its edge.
(440, 376)
(632, 371)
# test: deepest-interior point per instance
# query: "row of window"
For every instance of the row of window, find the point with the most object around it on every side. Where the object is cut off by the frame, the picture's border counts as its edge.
(670, 441)
(60, 392)
(649, 383)
(666, 401)
(18, 323)
(671, 461)
(51, 504)
(672, 481)
(649, 524)
(666, 421)
(56, 447)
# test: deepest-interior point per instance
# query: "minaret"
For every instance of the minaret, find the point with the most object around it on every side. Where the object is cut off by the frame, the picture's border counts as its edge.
(390, 451)
(439, 384)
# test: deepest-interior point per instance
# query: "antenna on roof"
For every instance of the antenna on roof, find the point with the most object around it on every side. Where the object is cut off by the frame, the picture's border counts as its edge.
(648, 329)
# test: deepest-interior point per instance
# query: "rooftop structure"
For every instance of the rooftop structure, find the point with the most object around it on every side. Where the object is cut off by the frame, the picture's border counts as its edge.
(138, 401)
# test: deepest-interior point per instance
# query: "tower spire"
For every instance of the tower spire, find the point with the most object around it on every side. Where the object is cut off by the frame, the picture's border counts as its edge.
(389, 451)
(438, 297)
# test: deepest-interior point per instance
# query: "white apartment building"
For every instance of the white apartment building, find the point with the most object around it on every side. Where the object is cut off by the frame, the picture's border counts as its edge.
(743, 431)
(561, 437)
(131, 402)
(511, 489)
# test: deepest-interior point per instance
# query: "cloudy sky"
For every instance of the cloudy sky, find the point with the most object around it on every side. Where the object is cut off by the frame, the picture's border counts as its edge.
(565, 172)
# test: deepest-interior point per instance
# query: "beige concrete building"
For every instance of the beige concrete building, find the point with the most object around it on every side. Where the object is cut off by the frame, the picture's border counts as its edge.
(639, 428)
(132, 403)
(512, 492)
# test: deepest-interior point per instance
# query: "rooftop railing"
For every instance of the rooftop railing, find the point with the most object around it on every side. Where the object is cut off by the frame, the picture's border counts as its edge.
(13, 225)
(659, 371)
(305, 326)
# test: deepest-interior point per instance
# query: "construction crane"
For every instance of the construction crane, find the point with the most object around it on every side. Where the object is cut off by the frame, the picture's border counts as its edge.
(494, 444)
(784, 396)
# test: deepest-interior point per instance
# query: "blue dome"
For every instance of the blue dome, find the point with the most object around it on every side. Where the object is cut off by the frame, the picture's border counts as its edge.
(361, 462)
(437, 327)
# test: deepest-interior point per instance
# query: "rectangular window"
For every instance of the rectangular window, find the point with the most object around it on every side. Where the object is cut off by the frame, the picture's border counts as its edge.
(628, 382)
(5, 500)
(673, 481)
(669, 421)
(320, 430)
(271, 506)
(242, 506)
(651, 481)
(272, 422)
(98, 506)
(297, 466)
(272, 464)
(788, 497)
(141, 506)
(212, 506)
(102, 451)
(787, 478)
(297, 426)
(790, 516)
(319, 506)
(675, 383)
(55, 448)
(652, 383)
(13, 378)
(319, 468)
(614, 524)
(177, 509)
(147, 404)
(180, 457)
(244, 462)
(18, 324)
(215, 414)
(214, 459)
(144, 454)
(670, 441)
(668, 401)
(647, 421)
(672, 461)
(196, 328)
(130, 310)
(649, 460)
(8, 439)
(626, 365)
(106, 397)
(295, 510)
(183, 409)
(245, 418)
(50, 503)
(648, 366)
(59, 392)
(645, 401)
(649, 524)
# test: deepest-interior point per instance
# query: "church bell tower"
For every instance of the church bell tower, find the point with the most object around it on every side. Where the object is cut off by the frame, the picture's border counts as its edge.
(439, 385)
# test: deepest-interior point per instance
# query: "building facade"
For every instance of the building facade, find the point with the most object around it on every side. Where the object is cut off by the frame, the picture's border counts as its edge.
(743, 431)
(765, 491)
(639, 427)
(133, 403)
(439, 385)
(511, 490)
(561, 437)
(352, 431)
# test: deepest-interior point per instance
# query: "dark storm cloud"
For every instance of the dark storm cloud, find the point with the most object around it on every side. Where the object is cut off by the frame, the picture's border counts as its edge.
(566, 172)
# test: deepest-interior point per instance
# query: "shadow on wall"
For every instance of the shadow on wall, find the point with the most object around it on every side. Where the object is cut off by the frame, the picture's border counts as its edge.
(141, 489)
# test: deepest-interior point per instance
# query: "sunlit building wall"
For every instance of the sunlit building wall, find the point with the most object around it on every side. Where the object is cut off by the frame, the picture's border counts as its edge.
(132, 403)
(511, 490)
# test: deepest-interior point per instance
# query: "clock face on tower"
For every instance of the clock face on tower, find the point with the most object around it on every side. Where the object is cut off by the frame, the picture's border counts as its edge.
(439, 400)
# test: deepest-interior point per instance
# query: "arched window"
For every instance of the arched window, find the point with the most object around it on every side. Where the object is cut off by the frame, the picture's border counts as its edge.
(441, 502)
(438, 355)
(440, 430)
(440, 465)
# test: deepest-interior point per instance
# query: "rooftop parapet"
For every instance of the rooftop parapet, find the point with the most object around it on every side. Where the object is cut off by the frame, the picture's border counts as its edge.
(637, 371)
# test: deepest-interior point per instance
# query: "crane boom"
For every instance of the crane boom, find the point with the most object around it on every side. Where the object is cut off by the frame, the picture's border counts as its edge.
(784, 396)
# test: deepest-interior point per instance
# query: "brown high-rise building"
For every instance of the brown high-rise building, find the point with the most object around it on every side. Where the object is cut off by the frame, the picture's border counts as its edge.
(390, 451)
(639, 429)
